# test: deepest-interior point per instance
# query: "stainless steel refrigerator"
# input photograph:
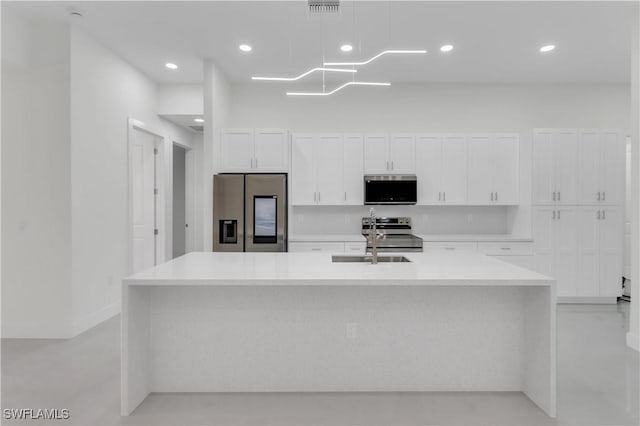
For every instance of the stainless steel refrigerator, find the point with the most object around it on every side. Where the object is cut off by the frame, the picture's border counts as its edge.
(250, 212)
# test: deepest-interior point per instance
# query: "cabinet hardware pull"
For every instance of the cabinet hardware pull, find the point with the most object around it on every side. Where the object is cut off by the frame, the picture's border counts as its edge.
(491, 198)
(345, 195)
(444, 196)
(598, 215)
(318, 196)
(554, 195)
(598, 197)
(604, 196)
(439, 196)
(554, 215)
(392, 165)
(256, 163)
(505, 248)
(496, 196)
(559, 199)
(449, 248)
(316, 249)
(604, 215)
(387, 164)
(559, 213)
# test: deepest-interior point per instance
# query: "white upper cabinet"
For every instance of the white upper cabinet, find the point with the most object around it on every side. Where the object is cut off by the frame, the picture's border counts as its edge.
(402, 153)
(236, 150)
(376, 154)
(326, 169)
(384, 154)
(602, 163)
(555, 166)
(328, 159)
(441, 169)
(353, 169)
(259, 150)
(493, 169)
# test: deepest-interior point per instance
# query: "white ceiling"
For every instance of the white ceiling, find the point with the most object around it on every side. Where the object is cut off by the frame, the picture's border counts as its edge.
(495, 42)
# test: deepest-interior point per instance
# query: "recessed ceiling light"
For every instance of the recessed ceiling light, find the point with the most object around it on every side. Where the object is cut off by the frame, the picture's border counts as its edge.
(346, 48)
(171, 66)
(199, 120)
(245, 47)
(446, 48)
(547, 48)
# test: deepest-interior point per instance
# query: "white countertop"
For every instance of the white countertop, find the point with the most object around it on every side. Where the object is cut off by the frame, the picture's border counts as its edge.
(474, 237)
(432, 268)
(426, 237)
(356, 238)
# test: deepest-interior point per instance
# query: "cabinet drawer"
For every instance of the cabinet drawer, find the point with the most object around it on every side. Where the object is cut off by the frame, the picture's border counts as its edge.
(506, 249)
(316, 247)
(355, 247)
(451, 245)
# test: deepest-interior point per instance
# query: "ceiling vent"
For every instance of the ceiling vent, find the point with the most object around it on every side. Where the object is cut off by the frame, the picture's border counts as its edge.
(324, 6)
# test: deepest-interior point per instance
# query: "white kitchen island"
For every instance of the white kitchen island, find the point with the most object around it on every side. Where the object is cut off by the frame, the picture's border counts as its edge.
(296, 322)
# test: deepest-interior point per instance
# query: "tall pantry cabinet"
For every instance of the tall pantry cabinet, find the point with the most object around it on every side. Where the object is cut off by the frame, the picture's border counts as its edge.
(578, 189)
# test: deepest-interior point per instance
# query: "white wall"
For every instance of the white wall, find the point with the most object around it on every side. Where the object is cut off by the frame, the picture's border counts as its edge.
(437, 108)
(36, 174)
(216, 111)
(180, 99)
(633, 336)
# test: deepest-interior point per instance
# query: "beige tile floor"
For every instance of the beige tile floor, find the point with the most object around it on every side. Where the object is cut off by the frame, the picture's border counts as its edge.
(597, 385)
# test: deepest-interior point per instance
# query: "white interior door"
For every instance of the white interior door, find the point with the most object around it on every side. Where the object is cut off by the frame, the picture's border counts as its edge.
(143, 203)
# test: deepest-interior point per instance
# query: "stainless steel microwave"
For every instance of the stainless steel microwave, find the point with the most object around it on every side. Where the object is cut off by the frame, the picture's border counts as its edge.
(390, 189)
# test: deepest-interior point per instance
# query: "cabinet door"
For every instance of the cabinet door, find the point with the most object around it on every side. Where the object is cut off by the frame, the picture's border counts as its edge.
(589, 246)
(480, 170)
(303, 191)
(315, 247)
(429, 168)
(566, 250)
(612, 167)
(544, 240)
(402, 154)
(566, 166)
(271, 150)
(353, 169)
(611, 234)
(236, 150)
(454, 169)
(329, 163)
(506, 169)
(376, 154)
(589, 170)
(543, 180)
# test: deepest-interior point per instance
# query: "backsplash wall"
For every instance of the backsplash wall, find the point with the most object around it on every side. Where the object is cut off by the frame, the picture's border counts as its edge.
(426, 219)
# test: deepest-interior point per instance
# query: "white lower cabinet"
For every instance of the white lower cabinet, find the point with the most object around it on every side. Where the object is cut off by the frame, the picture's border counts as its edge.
(319, 247)
(450, 245)
(352, 247)
(555, 231)
(600, 264)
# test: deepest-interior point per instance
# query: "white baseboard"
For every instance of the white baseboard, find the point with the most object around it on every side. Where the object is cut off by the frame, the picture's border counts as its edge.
(32, 330)
(589, 300)
(95, 318)
(633, 342)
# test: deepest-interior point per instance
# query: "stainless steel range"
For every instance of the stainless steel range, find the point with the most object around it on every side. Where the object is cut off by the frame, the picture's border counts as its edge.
(396, 234)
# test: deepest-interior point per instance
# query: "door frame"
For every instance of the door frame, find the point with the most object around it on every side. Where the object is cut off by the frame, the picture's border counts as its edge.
(160, 216)
(189, 195)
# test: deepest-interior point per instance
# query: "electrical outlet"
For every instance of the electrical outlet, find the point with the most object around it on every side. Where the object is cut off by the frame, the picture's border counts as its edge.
(352, 330)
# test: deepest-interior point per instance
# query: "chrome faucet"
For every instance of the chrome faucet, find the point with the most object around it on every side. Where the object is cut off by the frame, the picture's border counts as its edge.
(374, 235)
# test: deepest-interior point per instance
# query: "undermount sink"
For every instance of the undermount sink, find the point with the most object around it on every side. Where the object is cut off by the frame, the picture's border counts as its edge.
(363, 259)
